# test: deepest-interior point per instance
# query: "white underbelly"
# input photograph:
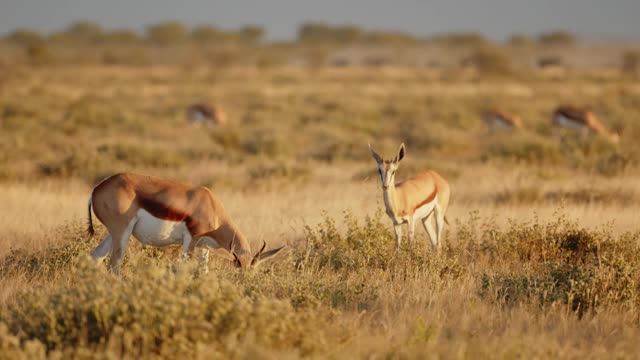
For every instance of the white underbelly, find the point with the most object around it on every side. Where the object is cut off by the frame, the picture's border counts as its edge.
(568, 123)
(425, 210)
(498, 123)
(153, 231)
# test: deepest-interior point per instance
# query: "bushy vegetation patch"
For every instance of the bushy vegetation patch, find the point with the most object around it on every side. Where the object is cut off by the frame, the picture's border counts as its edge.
(332, 290)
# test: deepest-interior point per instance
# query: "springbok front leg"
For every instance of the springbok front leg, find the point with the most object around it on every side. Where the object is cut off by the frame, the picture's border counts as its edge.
(397, 228)
(187, 246)
(411, 225)
(203, 266)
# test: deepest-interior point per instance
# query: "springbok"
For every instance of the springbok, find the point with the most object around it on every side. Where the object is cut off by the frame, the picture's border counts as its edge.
(496, 120)
(160, 212)
(583, 120)
(422, 197)
(201, 113)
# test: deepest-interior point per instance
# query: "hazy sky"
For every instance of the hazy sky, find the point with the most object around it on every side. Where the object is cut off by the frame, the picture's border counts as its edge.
(495, 18)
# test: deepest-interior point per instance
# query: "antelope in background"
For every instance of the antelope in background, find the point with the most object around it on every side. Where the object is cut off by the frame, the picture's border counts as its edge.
(160, 212)
(201, 113)
(496, 120)
(419, 198)
(583, 120)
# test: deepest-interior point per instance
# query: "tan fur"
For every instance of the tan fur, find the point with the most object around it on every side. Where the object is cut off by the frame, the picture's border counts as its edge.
(405, 202)
(206, 113)
(584, 118)
(117, 200)
(414, 192)
(495, 119)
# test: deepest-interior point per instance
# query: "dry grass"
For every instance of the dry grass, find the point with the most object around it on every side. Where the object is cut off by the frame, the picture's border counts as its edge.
(540, 257)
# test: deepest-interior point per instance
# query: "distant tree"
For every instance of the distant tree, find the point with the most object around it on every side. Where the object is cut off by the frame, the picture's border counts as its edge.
(520, 40)
(166, 33)
(38, 54)
(461, 39)
(490, 61)
(322, 33)
(313, 32)
(83, 31)
(122, 37)
(390, 38)
(631, 63)
(251, 34)
(557, 38)
(25, 37)
(346, 34)
(208, 34)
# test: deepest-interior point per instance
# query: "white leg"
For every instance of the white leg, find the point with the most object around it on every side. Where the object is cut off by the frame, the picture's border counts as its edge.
(118, 249)
(428, 227)
(204, 260)
(398, 231)
(411, 231)
(439, 226)
(99, 253)
(186, 242)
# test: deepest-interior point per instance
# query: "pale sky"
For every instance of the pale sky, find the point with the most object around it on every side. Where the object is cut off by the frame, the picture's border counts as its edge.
(281, 18)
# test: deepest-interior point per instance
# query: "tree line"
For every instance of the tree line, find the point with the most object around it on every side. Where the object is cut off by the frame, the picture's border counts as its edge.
(313, 33)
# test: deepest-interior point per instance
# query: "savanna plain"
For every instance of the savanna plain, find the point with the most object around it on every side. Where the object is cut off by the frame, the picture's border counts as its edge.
(540, 257)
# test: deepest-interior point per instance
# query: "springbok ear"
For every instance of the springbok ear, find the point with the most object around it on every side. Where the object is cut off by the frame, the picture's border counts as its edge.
(375, 155)
(401, 153)
(267, 255)
(215, 247)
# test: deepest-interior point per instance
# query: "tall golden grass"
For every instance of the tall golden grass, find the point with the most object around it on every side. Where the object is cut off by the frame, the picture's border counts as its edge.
(539, 257)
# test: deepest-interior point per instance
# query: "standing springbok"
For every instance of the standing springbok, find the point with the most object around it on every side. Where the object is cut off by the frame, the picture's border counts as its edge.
(420, 198)
(201, 113)
(583, 120)
(496, 120)
(162, 212)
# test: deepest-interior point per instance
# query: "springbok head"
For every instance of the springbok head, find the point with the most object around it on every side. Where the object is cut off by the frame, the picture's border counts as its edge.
(387, 168)
(244, 260)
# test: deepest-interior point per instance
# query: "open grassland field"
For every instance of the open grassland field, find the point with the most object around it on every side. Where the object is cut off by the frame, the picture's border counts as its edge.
(540, 257)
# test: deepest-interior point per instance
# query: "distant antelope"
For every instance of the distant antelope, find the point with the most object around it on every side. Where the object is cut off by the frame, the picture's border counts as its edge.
(583, 120)
(419, 198)
(160, 212)
(206, 114)
(500, 120)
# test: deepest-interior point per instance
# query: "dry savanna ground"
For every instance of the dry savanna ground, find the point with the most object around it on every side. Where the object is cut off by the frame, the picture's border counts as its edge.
(540, 257)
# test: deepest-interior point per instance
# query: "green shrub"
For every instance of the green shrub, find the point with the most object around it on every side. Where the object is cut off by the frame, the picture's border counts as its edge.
(491, 62)
(557, 38)
(279, 171)
(562, 263)
(52, 261)
(158, 312)
(631, 63)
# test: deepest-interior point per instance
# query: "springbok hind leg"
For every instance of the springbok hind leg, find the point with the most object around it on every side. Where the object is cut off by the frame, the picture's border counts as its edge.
(120, 240)
(100, 251)
(428, 227)
(439, 226)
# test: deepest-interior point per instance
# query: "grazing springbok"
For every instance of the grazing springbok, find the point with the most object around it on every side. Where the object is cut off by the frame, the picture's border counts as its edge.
(496, 120)
(420, 198)
(160, 212)
(200, 113)
(583, 120)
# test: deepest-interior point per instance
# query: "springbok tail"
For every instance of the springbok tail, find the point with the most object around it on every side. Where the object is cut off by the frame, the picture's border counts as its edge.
(90, 229)
(446, 221)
